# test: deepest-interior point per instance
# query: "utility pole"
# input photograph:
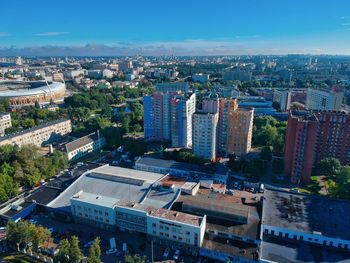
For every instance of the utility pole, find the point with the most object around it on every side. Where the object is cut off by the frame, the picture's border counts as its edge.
(152, 250)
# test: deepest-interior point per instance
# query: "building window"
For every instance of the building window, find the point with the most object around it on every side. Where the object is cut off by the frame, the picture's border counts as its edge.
(154, 225)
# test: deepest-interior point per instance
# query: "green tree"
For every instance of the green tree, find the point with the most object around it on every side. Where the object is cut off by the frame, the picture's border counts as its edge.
(266, 153)
(341, 188)
(95, 252)
(134, 259)
(28, 123)
(328, 167)
(63, 255)
(75, 254)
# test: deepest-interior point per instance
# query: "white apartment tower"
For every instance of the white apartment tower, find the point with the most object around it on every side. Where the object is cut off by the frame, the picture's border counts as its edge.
(204, 134)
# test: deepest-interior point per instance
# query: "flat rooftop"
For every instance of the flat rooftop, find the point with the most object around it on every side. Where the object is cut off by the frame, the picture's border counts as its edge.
(177, 216)
(117, 172)
(80, 142)
(287, 251)
(307, 214)
(230, 247)
(95, 199)
(109, 181)
(171, 164)
(221, 210)
(163, 213)
(44, 195)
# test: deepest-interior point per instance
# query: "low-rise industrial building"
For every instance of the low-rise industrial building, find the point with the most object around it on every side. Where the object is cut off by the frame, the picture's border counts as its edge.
(84, 145)
(313, 219)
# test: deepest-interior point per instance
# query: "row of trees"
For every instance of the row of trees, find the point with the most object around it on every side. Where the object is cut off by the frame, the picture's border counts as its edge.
(183, 156)
(30, 116)
(25, 167)
(69, 251)
(25, 235)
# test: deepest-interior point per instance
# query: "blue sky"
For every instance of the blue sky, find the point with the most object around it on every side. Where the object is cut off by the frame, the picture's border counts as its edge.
(179, 27)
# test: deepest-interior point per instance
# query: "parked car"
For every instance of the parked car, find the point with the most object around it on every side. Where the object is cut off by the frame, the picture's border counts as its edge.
(166, 252)
(261, 188)
(88, 244)
(111, 251)
(176, 254)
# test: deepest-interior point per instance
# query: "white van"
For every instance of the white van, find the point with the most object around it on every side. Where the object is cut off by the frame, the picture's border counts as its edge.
(261, 188)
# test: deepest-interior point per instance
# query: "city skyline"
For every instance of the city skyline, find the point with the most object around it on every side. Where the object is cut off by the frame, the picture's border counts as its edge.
(185, 28)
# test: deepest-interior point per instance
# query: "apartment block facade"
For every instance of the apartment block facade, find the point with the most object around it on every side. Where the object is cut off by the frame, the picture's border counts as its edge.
(39, 135)
(320, 99)
(204, 134)
(182, 108)
(5, 122)
(312, 137)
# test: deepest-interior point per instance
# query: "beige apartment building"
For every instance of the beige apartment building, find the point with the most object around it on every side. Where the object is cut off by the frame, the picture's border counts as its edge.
(39, 135)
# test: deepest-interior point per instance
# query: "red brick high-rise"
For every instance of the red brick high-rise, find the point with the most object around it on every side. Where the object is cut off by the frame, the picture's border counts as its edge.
(313, 136)
(300, 146)
(333, 136)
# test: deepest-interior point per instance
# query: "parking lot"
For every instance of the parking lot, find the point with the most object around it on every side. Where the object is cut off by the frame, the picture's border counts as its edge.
(137, 243)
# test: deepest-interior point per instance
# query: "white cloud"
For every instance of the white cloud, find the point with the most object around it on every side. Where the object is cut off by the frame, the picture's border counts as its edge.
(50, 34)
(345, 24)
(344, 17)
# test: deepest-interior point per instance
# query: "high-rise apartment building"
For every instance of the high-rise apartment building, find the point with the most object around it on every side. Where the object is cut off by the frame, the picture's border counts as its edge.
(300, 146)
(204, 134)
(182, 108)
(321, 99)
(239, 131)
(173, 87)
(333, 136)
(283, 98)
(157, 117)
(312, 137)
(235, 125)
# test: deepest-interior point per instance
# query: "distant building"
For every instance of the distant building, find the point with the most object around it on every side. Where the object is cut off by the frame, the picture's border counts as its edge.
(130, 77)
(172, 87)
(285, 75)
(5, 122)
(237, 73)
(84, 145)
(320, 99)
(182, 108)
(283, 98)
(125, 65)
(200, 77)
(95, 73)
(106, 73)
(39, 135)
(204, 135)
(57, 76)
(72, 74)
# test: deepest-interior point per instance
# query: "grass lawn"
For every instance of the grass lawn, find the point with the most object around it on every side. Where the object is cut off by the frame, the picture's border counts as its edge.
(15, 257)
